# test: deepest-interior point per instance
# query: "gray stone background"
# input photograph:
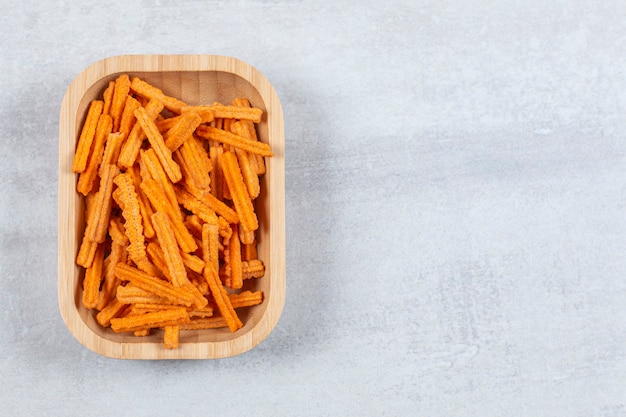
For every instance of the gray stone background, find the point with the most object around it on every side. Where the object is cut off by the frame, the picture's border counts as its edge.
(456, 183)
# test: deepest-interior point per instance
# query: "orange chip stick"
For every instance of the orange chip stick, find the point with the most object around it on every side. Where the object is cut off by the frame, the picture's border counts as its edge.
(239, 192)
(144, 204)
(185, 239)
(170, 337)
(156, 286)
(120, 92)
(167, 240)
(246, 299)
(132, 215)
(109, 281)
(156, 255)
(131, 294)
(253, 268)
(216, 176)
(132, 145)
(190, 202)
(93, 276)
(192, 262)
(248, 251)
(114, 309)
(111, 150)
(206, 115)
(246, 237)
(127, 120)
(198, 299)
(234, 260)
(107, 96)
(232, 112)
(181, 130)
(148, 90)
(161, 318)
(97, 225)
(86, 136)
(222, 136)
(191, 154)
(86, 253)
(218, 291)
(170, 167)
(151, 167)
(87, 178)
(247, 162)
(217, 322)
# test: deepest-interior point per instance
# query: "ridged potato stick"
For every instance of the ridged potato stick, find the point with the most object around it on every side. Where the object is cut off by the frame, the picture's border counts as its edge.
(87, 135)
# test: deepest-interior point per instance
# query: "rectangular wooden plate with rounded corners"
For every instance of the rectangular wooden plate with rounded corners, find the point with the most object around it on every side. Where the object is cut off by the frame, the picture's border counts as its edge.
(195, 79)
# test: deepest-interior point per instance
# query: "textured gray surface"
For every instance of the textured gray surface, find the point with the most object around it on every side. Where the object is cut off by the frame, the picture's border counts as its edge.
(455, 208)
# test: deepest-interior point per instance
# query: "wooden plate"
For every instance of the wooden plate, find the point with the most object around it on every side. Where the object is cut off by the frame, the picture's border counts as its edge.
(196, 79)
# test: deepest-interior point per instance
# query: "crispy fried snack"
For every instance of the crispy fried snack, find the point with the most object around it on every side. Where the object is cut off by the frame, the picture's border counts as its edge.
(170, 336)
(247, 162)
(171, 168)
(97, 224)
(147, 90)
(127, 120)
(167, 239)
(204, 323)
(253, 268)
(120, 92)
(152, 169)
(195, 163)
(87, 135)
(107, 96)
(233, 263)
(170, 317)
(222, 136)
(111, 150)
(131, 294)
(260, 162)
(185, 239)
(181, 130)
(156, 286)
(246, 299)
(206, 115)
(93, 276)
(114, 309)
(132, 214)
(239, 192)
(218, 292)
(87, 178)
(230, 112)
(144, 204)
(132, 145)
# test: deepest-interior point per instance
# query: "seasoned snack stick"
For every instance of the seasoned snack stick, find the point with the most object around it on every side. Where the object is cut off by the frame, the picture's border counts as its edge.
(132, 145)
(170, 336)
(229, 112)
(260, 163)
(87, 178)
(86, 136)
(239, 192)
(154, 285)
(93, 276)
(120, 92)
(132, 214)
(181, 130)
(218, 292)
(147, 90)
(162, 318)
(171, 168)
(222, 136)
(174, 261)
